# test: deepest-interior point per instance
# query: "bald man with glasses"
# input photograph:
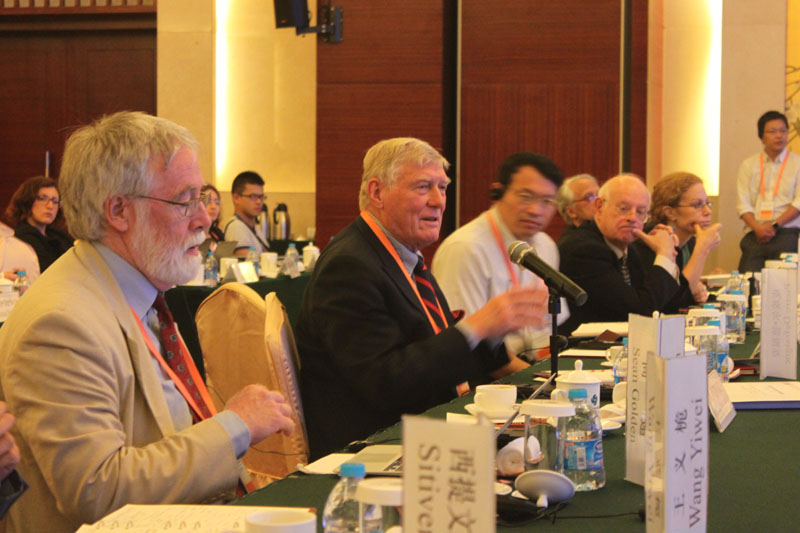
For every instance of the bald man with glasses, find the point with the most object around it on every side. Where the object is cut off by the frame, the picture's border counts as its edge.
(599, 258)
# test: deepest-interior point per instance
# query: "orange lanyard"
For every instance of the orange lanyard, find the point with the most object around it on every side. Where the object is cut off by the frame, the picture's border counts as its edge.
(376, 229)
(499, 239)
(175, 379)
(780, 175)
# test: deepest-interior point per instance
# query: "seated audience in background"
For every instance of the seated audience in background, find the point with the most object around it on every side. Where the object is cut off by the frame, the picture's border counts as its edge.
(375, 334)
(680, 202)
(472, 264)
(576, 200)
(768, 190)
(32, 211)
(248, 199)
(214, 210)
(16, 255)
(111, 409)
(599, 257)
(11, 483)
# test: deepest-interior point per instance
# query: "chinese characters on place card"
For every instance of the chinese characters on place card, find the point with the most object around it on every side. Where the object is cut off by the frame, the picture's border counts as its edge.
(448, 477)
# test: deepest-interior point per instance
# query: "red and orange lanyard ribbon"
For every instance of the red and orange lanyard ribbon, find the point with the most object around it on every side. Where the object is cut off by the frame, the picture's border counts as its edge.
(780, 175)
(376, 229)
(201, 387)
(499, 239)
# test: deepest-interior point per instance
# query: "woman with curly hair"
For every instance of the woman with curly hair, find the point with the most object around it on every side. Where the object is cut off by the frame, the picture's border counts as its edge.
(32, 211)
(679, 201)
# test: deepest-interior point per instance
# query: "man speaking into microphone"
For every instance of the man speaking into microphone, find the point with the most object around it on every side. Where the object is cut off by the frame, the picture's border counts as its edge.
(472, 265)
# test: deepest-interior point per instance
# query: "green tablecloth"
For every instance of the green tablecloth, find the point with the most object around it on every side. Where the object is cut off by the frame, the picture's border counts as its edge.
(184, 300)
(754, 471)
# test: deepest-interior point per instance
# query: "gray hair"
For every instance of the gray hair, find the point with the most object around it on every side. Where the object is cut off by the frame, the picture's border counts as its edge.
(565, 196)
(385, 158)
(113, 156)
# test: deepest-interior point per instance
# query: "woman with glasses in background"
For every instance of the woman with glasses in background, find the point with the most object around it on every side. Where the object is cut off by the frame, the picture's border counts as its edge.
(32, 212)
(214, 209)
(679, 201)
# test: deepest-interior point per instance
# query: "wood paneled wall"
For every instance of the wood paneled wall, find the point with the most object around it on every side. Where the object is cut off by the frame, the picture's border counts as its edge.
(542, 76)
(384, 80)
(56, 79)
(535, 75)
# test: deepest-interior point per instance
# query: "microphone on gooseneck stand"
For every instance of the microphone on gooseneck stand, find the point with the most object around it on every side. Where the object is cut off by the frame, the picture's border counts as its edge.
(525, 256)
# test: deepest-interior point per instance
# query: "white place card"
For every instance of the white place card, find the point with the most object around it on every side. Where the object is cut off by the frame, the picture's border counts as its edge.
(448, 476)
(7, 301)
(676, 481)
(778, 323)
(646, 335)
(719, 403)
(245, 272)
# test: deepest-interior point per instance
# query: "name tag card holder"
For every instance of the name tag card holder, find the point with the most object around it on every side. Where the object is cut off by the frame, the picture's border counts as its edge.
(646, 335)
(676, 480)
(448, 476)
(779, 323)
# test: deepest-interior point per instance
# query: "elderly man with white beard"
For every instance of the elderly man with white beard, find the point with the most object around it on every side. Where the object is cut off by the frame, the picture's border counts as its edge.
(110, 408)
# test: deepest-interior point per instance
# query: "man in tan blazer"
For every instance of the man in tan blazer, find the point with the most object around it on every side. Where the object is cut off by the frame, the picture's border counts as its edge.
(99, 421)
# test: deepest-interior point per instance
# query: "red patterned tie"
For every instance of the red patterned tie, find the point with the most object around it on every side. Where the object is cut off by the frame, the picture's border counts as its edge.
(175, 356)
(425, 287)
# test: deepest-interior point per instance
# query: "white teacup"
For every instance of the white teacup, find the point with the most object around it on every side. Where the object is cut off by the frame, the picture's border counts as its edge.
(281, 521)
(495, 397)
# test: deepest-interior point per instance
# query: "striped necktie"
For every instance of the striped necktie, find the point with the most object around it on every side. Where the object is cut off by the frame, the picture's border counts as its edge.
(422, 277)
(623, 269)
(174, 356)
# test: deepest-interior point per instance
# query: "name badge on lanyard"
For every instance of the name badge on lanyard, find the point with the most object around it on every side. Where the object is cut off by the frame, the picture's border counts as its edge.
(766, 209)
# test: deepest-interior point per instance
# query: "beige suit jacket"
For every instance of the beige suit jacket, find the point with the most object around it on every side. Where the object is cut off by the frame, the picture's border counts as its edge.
(93, 425)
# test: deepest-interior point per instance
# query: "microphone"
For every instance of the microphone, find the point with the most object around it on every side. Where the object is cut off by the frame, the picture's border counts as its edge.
(525, 256)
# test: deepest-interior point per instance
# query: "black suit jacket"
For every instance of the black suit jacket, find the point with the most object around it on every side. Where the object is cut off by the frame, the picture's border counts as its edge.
(587, 259)
(368, 353)
(683, 298)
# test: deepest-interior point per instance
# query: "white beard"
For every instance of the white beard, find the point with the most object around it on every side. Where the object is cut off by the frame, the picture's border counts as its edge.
(163, 259)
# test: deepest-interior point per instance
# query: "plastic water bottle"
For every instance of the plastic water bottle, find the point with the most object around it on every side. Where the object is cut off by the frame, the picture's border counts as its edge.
(583, 462)
(290, 266)
(723, 351)
(734, 282)
(252, 256)
(620, 363)
(21, 284)
(210, 270)
(341, 509)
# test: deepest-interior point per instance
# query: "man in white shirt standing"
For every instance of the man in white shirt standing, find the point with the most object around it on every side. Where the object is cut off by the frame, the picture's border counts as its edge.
(472, 264)
(768, 195)
(248, 199)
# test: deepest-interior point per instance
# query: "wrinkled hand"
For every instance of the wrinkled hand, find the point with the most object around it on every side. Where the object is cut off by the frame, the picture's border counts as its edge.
(709, 238)
(510, 311)
(264, 411)
(9, 452)
(661, 240)
(764, 231)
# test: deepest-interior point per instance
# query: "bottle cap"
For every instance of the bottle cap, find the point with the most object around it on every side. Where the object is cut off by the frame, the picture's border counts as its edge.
(386, 491)
(352, 470)
(575, 394)
(624, 341)
(21, 273)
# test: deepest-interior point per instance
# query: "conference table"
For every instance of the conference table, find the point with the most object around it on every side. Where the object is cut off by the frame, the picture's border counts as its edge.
(184, 301)
(754, 476)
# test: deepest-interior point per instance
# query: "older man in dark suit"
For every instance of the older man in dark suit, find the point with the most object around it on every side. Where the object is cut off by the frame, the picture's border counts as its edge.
(375, 334)
(597, 256)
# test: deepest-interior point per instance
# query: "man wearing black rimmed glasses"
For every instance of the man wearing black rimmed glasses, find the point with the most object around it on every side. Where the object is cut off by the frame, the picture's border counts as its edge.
(598, 257)
(768, 196)
(110, 408)
(472, 264)
(248, 199)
